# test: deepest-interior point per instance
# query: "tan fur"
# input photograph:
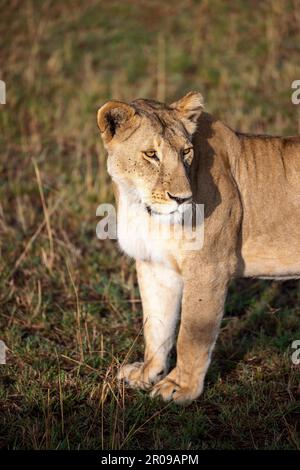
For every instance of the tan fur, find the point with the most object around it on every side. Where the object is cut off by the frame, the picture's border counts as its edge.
(250, 188)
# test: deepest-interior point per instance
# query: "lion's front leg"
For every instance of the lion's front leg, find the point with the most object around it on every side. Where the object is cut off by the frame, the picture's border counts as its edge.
(161, 291)
(202, 310)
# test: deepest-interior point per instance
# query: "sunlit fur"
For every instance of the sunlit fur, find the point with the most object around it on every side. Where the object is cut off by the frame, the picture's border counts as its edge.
(250, 188)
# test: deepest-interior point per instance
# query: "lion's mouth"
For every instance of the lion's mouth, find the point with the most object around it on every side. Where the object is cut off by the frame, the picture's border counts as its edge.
(154, 212)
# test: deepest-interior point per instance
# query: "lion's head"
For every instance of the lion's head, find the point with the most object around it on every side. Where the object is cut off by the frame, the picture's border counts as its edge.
(150, 149)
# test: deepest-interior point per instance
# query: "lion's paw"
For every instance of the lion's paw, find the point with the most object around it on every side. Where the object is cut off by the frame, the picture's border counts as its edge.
(171, 389)
(140, 375)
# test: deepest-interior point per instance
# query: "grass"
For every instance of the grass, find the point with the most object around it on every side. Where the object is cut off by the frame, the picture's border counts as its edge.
(70, 308)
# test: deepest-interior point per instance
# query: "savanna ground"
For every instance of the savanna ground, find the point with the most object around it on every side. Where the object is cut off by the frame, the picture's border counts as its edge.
(70, 307)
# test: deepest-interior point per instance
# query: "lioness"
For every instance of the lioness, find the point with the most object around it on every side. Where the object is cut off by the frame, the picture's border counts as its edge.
(162, 157)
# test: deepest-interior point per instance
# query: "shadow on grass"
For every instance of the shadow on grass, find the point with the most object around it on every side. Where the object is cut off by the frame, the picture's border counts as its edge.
(258, 314)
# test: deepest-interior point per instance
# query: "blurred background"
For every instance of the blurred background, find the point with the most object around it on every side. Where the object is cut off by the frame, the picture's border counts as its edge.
(69, 304)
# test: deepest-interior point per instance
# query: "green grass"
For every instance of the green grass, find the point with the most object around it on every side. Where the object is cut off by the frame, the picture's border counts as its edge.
(69, 303)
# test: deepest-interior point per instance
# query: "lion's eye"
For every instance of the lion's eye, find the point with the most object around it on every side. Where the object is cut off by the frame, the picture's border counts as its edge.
(152, 155)
(187, 151)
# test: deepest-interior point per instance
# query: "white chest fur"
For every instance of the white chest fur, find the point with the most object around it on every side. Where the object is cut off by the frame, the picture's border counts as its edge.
(138, 234)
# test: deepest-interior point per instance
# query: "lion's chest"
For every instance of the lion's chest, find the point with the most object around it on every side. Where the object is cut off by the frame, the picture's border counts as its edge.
(138, 236)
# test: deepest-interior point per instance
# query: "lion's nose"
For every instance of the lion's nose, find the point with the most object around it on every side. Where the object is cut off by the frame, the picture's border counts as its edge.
(181, 199)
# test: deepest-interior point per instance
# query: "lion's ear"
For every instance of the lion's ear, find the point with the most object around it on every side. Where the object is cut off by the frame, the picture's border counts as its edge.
(189, 109)
(112, 117)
